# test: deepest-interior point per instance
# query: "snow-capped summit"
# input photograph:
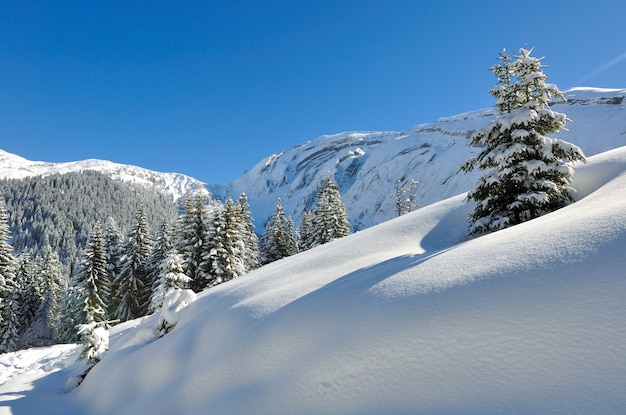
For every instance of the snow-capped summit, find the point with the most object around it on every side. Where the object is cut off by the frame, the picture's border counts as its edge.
(175, 184)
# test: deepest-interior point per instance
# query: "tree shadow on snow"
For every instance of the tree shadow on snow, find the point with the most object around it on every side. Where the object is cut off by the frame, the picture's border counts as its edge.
(45, 395)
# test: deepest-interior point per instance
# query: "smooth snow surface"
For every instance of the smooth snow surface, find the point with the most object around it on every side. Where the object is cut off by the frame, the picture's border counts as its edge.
(407, 317)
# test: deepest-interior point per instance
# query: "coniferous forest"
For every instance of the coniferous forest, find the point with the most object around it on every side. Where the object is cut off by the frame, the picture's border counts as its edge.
(82, 251)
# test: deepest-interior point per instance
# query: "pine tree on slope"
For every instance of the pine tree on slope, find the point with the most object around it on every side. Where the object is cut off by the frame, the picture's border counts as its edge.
(93, 281)
(9, 291)
(70, 313)
(114, 248)
(163, 244)
(132, 293)
(329, 217)
(31, 292)
(191, 235)
(529, 173)
(225, 249)
(305, 233)
(278, 240)
(43, 329)
(250, 239)
(171, 277)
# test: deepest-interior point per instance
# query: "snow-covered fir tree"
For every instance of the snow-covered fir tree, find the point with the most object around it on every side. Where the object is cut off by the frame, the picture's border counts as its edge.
(93, 281)
(132, 292)
(405, 196)
(249, 236)
(31, 291)
(10, 309)
(114, 249)
(70, 312)
(171, 277)
(49, 276)
(224, 254)
(304, 234)
(278, 240)
(528, 173)
(191, 236)
(10, 320)
(163, 244)
(329, 220)
(95, 340)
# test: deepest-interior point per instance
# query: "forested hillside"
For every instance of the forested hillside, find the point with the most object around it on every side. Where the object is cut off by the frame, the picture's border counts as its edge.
(60, 210)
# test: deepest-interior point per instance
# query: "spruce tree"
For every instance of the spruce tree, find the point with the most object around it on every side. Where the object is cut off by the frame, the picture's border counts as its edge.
(132, 292)
(56, 280)
(528, 173)
(191, 238)
(171, 277)
(405, 196)
(10, 308)
(43, 329)
(305, 232)
(329, 217)
(161, 248)
(252, 257)
(114, 249)
(278, 240)
(31, 291)
(224, 255)
(70, 313)
(93, 281)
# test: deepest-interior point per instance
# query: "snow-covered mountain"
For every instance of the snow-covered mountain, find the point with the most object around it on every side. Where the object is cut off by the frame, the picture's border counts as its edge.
(368, 165)
(407, 317)
(175, 184)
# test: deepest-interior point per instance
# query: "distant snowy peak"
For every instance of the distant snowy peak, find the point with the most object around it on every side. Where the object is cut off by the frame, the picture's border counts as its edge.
(585, 95)
(174, 184)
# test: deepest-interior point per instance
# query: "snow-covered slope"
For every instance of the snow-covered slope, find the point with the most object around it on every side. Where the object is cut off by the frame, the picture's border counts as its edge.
(407, 317)
(175, 184)
(367, 165)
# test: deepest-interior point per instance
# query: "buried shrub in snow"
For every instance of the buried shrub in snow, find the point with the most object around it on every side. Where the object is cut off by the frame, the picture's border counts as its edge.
(173, 303)
(95, 340)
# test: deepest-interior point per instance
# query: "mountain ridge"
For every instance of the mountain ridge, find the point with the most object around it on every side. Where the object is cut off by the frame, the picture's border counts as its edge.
(366, 165)
(13, 166)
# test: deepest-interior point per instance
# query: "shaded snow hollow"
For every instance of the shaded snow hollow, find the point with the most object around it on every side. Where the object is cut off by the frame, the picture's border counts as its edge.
(406, 317)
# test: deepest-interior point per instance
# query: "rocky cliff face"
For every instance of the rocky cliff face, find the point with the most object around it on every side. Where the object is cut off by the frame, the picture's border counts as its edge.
(368, 165)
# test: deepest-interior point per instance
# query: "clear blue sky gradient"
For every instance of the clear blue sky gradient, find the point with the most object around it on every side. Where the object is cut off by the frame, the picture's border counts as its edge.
(209, 88)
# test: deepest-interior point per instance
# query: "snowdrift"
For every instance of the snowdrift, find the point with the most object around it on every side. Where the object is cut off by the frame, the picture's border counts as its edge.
(406, 317)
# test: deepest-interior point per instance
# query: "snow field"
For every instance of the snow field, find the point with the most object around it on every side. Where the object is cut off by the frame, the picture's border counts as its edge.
(405, 317)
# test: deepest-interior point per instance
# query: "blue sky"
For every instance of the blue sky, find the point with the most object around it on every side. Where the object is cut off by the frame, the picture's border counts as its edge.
(209, 88)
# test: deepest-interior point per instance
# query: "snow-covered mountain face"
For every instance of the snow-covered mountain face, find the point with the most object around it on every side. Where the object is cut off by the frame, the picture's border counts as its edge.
(368, 165)
(175, 184)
